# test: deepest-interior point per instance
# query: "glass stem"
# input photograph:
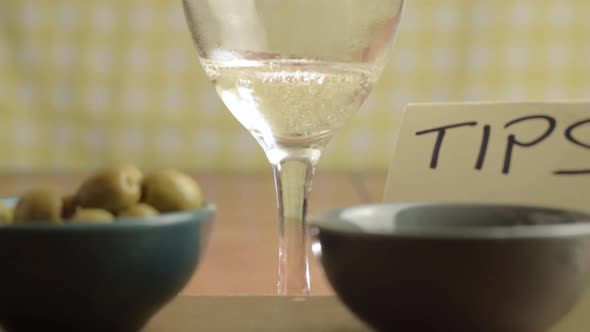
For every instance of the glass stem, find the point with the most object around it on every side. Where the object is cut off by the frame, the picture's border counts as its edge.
(293, 184)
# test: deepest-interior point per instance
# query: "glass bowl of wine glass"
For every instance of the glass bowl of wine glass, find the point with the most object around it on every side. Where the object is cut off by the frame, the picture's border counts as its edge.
(293, 72)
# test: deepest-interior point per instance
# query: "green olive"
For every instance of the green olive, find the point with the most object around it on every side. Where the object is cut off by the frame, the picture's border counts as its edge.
(113, 189)
(6, 214)
(92, 216)
(69, 206)
(170, 190)
(139, 210)
(39, 205)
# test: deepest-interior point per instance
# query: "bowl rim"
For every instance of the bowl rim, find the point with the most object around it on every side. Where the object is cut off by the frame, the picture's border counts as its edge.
(331, 220)
(200, 216)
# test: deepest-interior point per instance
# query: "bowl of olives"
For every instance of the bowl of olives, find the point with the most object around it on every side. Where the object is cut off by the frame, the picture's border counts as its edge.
(104, 258)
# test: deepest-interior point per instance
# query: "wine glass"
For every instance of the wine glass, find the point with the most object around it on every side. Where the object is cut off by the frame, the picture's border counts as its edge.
(292, 72)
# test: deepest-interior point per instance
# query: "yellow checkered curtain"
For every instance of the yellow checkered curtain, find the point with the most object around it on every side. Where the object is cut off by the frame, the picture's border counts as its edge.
(83, 83)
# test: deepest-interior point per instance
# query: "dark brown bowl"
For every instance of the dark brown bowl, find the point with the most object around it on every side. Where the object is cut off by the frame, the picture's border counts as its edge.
(449, 268)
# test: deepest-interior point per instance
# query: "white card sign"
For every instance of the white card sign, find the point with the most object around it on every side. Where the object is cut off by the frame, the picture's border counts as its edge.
(522, 153)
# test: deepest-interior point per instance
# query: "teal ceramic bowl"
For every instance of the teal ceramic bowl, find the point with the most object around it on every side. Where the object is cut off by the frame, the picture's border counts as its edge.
(112, 277)
(451, 267)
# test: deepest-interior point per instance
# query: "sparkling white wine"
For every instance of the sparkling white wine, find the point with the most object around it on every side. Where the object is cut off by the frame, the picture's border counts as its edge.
(291, 100)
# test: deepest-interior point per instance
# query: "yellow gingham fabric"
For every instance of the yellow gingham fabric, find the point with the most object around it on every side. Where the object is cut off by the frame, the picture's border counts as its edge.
(83, 83)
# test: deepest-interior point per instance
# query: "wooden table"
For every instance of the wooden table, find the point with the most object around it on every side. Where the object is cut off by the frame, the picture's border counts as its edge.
(288, 314)
(284, 314)
(230, 290)
(255, 314)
